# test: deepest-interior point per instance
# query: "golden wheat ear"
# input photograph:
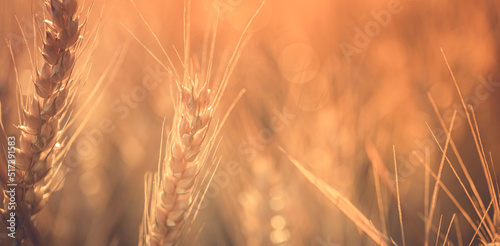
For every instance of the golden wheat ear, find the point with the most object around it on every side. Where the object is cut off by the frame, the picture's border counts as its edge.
(171, 196)
(38, 148)
(174, 193)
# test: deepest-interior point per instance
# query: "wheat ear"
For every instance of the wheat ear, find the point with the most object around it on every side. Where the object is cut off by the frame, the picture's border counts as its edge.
(38, 152)
(173, 192)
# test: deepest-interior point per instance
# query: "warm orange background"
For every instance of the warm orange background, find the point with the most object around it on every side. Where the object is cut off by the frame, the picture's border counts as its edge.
(292, 62)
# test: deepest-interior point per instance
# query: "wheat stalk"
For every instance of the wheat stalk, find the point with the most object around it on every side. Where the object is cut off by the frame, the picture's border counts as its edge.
(39, 149)
(342, 203)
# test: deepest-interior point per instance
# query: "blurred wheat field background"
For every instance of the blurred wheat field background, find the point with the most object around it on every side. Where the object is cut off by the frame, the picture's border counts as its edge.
(336, 85)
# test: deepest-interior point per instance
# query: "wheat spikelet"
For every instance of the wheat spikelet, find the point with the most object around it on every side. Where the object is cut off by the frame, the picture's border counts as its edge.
(173, 194)
(37, 154)
(173, 191)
